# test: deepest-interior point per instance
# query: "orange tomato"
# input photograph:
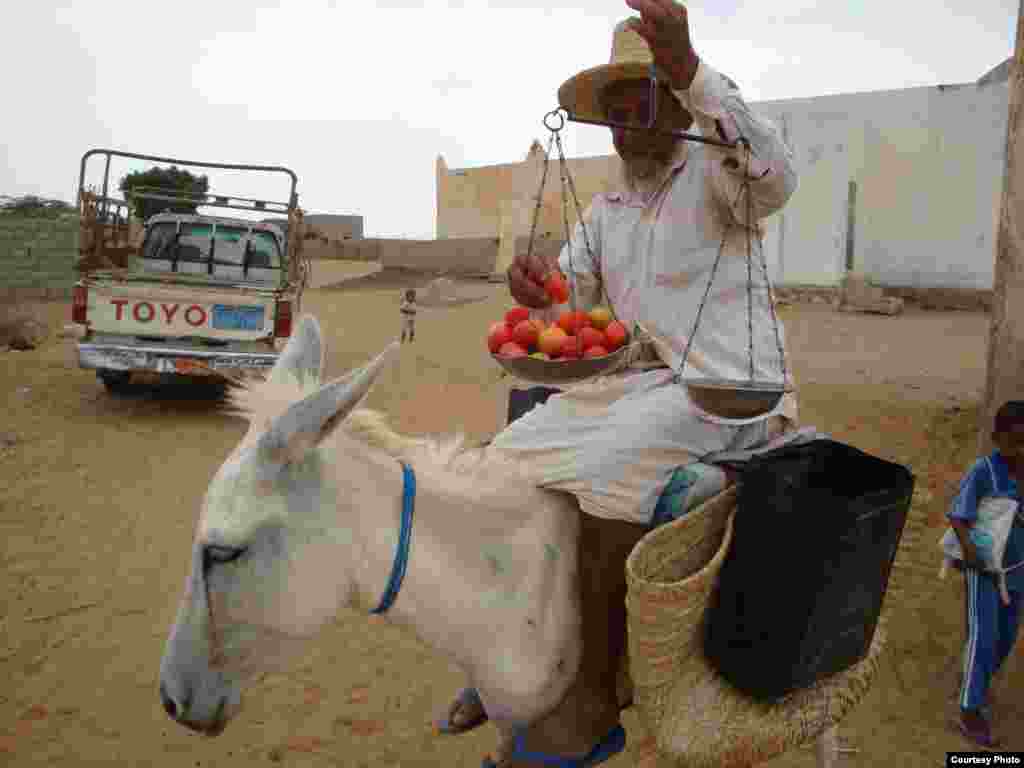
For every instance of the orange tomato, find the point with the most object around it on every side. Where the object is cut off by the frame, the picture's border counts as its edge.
(573, 322)
(551, 341)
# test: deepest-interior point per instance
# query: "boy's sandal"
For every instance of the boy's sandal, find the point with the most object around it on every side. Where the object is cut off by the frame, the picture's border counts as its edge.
(980, 735)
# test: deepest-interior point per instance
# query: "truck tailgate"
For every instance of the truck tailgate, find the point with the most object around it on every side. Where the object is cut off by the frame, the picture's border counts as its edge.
(141, 309)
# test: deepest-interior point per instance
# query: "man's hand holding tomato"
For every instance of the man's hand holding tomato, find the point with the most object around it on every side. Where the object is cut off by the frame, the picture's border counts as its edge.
(536, 282)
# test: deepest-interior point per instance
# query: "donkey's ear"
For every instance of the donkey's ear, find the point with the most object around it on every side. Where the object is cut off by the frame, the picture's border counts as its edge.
(301, 428)
(302, 359)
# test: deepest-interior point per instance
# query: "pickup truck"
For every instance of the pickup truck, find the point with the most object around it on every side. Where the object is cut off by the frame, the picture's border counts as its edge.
(193, 294)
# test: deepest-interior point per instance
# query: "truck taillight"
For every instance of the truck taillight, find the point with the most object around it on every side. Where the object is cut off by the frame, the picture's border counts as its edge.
(80, 305)
(283, 320)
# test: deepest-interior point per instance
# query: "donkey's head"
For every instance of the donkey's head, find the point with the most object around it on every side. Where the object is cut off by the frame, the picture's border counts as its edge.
(268, 559)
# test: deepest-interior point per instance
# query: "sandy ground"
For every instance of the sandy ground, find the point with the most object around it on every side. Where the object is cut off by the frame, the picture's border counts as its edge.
(99, 496)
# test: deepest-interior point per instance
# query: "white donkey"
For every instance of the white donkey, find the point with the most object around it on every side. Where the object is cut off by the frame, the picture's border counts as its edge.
(312, 512)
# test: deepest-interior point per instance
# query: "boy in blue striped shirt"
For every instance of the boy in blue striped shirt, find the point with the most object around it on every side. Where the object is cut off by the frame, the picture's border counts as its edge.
(991, 625)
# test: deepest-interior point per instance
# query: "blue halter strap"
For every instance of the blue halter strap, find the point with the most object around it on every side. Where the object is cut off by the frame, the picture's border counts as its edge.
(404, 536)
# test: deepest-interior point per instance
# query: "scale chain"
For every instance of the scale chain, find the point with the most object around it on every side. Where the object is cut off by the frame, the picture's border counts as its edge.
(579, 208)
(750, 279)
(563, 170)
(540, 195)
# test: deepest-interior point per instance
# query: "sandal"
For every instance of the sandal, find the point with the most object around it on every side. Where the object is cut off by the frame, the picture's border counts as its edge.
(467, 697)
(977, 732)
(605, 749)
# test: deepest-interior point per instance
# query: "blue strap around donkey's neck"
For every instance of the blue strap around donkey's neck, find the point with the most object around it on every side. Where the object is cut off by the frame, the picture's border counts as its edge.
(405, 534)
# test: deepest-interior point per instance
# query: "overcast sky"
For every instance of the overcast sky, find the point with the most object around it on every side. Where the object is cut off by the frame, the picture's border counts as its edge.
(359, 97)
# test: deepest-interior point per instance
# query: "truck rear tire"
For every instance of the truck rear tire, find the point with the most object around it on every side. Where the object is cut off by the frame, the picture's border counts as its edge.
(116, 382)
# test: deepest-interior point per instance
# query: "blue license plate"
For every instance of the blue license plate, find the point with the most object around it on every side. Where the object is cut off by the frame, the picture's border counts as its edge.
(227, 318)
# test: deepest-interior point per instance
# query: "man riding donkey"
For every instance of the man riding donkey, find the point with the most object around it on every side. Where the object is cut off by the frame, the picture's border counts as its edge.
(614, 442)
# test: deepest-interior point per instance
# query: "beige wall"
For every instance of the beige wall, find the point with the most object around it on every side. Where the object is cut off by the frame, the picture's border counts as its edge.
(501, 200)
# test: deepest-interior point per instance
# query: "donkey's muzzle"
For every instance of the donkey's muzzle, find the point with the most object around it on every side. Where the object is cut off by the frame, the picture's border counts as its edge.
(177, 708)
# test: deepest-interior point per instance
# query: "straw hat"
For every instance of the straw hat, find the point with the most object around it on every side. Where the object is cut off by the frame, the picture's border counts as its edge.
(692, 716)
(631, 59)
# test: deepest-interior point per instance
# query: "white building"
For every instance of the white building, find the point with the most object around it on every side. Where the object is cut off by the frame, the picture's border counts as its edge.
(904, 186)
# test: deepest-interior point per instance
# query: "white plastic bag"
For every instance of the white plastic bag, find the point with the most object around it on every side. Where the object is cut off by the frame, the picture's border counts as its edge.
(990, 534)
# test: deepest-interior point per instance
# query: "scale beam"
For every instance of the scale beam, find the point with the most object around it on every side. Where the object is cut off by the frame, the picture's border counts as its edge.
(678, 134)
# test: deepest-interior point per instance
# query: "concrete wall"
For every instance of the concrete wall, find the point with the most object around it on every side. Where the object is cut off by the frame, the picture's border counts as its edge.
(336, 226)
(461, 255)
(325, 233)
(926, 165)
(37, 257)
(456, 256)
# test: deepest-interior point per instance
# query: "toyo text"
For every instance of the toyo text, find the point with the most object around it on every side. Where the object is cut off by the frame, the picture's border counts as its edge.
(145, 312)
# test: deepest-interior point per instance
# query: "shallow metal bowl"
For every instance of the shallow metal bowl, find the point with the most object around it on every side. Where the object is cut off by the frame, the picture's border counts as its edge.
(735, 398)
(555, 372)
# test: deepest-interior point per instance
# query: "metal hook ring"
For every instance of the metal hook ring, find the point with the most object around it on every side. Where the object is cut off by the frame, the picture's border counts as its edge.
(557, 112)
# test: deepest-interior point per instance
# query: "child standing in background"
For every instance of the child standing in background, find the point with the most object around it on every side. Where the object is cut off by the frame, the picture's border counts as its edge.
(408, 311)
(991, 625)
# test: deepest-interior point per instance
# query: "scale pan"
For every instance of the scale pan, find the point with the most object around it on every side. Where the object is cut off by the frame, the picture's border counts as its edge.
(735, 398)
(534, 370)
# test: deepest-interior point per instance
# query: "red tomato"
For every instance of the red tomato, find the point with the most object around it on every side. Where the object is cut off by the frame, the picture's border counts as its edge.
(557, 288)
(596, 351)
(511, 349)
(525, 334)
(516, 315)
(498, 335)
(572, 349)
(615, 334)
(592, 337)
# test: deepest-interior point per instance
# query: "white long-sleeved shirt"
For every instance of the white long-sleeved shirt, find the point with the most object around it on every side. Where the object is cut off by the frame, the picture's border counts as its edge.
(654, 249)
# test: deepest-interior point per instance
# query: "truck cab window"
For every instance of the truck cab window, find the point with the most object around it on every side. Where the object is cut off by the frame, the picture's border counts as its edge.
(158, 240)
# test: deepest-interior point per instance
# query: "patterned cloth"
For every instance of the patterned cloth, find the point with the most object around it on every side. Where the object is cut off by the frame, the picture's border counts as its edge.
(692, 485)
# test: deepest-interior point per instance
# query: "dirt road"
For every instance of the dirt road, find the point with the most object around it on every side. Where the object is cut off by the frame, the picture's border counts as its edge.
(99, 496)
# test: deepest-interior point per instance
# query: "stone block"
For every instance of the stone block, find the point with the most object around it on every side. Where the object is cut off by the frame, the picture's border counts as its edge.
(889, 305)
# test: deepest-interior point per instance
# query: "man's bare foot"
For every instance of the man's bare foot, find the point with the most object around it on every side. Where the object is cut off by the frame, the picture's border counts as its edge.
(465, 713)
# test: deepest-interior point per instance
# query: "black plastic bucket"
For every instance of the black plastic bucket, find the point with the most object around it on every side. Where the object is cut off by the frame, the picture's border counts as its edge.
(800, 592)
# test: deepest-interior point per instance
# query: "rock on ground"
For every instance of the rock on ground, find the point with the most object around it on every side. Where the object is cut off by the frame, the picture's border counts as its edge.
(859, 295)
(19, 329)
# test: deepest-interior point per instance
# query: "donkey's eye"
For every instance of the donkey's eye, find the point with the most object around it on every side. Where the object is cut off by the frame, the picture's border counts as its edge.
(218, 554)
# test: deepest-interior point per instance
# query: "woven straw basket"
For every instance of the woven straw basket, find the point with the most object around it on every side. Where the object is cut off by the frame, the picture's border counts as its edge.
(694, 718)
